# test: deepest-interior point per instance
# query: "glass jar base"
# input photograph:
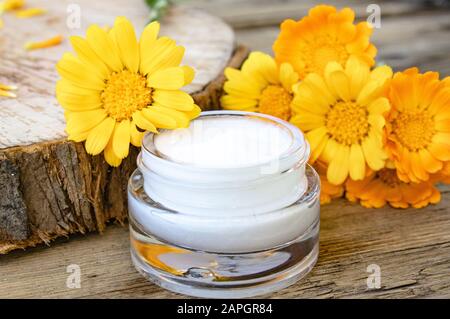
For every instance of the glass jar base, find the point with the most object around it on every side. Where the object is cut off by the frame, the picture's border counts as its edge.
(213, 275)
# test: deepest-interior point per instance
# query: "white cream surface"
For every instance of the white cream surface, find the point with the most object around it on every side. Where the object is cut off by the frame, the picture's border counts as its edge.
(224, 142)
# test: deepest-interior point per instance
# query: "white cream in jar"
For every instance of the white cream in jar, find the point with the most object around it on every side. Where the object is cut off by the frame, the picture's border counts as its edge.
(230, 183)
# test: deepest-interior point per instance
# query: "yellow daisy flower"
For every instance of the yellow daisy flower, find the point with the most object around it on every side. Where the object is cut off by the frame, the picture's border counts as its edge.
(341, 113)
(260, 86)
(323, 36)
(384, 187)
(116, 87)
(328, 191)
(418, 129)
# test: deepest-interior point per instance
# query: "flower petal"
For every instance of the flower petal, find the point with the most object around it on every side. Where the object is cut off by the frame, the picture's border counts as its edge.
(417, 169)
(262, 68)
(142, 122)
(441, 138)
(442, 125)
(377, 121)
(99, 136)
(121, 139)
(315, 139)
(339, 83)
(171, 57)
(127, 44)
(358, 163)
(195, 112)
(88, 56)
(109, 155)
(177, 100)
(241, 82)
(189, 74)
(374, 156)
(77, 103)
(159, 119)
(379, 106)
(307, 121)
(104, 47)
(181, 119)
(167, 79)
(148, 38)
(339, 166)
(78, 122)
(136, 135)
(156, 53)
(72, 69)
(358, 73)
(429, 162)
(231, 102)
(288, 77)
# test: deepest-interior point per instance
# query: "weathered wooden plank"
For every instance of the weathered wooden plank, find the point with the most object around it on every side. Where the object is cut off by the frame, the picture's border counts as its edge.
(412, 248)
(254, 13)
(411, 40)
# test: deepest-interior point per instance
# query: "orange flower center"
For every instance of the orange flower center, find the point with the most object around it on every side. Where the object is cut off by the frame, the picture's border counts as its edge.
(347, 123)
(414, 130)
(125, 93)
(388, 177)
(275, 101)
(320, 51)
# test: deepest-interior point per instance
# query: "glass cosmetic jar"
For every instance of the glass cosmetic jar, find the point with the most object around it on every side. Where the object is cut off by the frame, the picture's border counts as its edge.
(226, 208)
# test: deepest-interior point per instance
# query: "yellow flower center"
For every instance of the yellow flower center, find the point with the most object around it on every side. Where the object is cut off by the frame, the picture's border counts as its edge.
(125, 93)
(322, 50)
(414, 130)
(347, 122)
(275, 101)
(388, 177)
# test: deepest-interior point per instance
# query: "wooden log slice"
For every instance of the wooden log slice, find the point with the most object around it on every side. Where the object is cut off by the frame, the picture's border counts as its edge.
(51, 187)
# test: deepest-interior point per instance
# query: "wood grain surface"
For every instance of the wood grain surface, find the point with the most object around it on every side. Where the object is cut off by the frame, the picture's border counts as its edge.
(412, 247)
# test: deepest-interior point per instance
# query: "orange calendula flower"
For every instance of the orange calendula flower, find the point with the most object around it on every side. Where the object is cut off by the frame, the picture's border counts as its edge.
(260, 86)
(117, 87)
(328, 191)
(384, 186)
(418, 128)
(342, 114)
(324, 35)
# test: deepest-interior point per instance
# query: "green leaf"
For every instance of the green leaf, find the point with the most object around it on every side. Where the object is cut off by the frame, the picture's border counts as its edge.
(157, 8)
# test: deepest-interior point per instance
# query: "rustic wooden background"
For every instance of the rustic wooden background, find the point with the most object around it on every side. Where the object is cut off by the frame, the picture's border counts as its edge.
(412, 247)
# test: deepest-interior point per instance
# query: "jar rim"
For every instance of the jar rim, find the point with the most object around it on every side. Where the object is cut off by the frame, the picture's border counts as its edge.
(298, 146)
(136, 191)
